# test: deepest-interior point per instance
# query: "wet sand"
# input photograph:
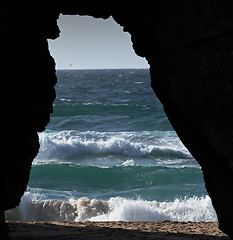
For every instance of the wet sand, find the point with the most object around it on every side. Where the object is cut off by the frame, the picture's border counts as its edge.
(165, 230)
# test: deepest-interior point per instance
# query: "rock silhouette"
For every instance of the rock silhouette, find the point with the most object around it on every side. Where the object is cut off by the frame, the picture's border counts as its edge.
(189, 46)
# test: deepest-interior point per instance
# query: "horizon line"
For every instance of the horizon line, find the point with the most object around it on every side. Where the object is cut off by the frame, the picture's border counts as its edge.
(99, 68)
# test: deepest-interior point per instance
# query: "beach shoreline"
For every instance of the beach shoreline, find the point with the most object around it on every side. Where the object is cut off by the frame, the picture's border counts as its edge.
(166, 230)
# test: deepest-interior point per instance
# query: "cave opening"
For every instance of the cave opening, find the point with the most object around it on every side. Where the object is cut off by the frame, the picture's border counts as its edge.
(109, 146)
(189, 48)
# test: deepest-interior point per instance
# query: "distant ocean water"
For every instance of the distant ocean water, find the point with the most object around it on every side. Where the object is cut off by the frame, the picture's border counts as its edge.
(110, 153)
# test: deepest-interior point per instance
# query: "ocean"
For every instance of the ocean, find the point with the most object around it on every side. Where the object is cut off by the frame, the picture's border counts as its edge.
(110, 154)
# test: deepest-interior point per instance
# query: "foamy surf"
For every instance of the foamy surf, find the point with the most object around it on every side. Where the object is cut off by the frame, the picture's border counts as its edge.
(115, 209)
(73, 145)
(116, 147)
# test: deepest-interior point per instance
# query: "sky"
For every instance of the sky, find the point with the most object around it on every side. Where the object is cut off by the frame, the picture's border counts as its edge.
(89, 43)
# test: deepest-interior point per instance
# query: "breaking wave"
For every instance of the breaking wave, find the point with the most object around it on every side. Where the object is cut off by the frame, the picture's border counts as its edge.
(115, 209)
(67, 145)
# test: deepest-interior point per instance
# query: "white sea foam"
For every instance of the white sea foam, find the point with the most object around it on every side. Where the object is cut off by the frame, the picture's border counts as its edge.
(70, 144)
(115, 209)
(191, 209)
(65, 99)
(129, 163)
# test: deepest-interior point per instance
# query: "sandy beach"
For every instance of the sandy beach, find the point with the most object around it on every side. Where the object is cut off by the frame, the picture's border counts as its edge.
(165, 230)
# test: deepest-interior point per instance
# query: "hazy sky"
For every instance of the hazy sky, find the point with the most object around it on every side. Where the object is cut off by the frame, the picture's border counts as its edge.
(89, 43)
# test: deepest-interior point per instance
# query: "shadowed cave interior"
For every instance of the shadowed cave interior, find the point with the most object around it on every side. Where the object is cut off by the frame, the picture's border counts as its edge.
(188, 45)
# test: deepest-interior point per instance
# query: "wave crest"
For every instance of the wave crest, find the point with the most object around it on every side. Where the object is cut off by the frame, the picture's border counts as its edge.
(73, 144)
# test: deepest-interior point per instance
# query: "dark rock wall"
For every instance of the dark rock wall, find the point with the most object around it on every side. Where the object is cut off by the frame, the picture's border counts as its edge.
(27, 73)
(193, 78)
(189, 46)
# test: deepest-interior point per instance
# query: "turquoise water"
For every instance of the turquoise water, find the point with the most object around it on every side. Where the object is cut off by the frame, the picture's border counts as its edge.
(110, 144)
